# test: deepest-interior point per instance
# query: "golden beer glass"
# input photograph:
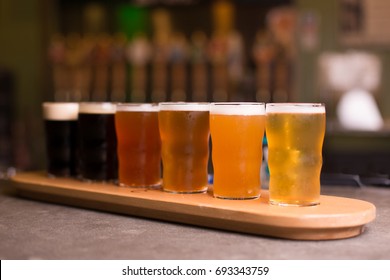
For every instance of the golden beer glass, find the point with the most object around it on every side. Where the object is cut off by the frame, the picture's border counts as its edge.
(237, 131)
(139, 145)
(295, 134)
(184, 131)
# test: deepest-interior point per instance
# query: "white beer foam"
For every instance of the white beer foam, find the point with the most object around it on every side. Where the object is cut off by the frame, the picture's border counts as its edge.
(184, 106)
(237, 108)
(97, 108)
(296, 108)
(60, 111)
(137, 107)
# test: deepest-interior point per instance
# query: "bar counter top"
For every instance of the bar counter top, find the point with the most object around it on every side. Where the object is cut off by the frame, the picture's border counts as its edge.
(32, 229)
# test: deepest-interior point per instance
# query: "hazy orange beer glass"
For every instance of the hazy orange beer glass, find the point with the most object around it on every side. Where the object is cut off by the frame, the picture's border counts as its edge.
(295, 133)
(237, 131)
(139, 144)
(184, 130)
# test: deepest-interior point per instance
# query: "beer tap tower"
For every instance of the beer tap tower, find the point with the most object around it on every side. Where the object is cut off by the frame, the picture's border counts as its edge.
(199, 80)
(84, 71)
(138, 53)
(178, 62)
(161, 48)
(226, 52)
(263, 55)
(74, 60)
(101, 66)
(118, 69)
(99, 48)
(282, 24)
(57, 53)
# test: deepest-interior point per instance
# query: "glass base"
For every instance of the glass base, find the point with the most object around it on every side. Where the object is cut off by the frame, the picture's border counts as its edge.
(62, 176)
(186, 192)
(237, 198)
(294, 204)
(90, 181)
(156, 186)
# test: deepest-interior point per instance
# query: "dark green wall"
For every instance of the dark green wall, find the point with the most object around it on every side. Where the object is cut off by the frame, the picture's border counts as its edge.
(21, 52)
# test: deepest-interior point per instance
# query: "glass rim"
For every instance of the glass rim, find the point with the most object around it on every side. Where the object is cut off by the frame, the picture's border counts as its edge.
(307, 104)
(60, 103)
(238, 108)
(184, 106)
(236, 103)
(137, 107)
(295, 108)
(97, 107)
(60, 111)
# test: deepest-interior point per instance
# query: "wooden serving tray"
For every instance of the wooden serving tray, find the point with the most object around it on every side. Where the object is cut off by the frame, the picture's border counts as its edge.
(334, 218)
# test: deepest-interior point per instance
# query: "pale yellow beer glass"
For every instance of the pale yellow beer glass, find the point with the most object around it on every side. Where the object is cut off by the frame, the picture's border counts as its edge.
(295, 134)
(185, 132)
(237, 131)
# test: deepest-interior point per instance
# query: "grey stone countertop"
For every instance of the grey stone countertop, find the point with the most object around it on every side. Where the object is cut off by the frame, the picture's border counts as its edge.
(37, 230)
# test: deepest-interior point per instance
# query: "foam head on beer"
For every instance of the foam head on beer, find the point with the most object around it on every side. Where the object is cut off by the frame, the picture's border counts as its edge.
(60, 111)
(303, 108)
(184, 106)
(97, 108)
(137, 107)
(240, 108)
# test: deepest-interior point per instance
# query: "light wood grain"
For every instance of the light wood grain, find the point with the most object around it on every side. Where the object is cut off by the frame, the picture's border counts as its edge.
(334, 218)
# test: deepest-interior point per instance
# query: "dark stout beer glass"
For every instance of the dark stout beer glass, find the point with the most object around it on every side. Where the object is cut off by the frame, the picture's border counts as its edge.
(97, 141)
(60, 120)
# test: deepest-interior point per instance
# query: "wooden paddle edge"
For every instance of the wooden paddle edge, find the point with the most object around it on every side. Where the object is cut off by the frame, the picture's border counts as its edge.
(165, 213)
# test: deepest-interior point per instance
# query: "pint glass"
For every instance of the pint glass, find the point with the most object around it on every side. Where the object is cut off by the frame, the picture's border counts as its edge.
(97, 141)
(184, 130)
(60, 120)
(139, 144)
(295, 133)
(237, 131)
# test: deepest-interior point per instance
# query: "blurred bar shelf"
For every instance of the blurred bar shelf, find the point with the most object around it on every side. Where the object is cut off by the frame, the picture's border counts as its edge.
(362, 153)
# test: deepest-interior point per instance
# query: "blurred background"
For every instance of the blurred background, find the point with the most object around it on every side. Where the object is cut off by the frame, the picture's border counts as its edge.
(336, 52)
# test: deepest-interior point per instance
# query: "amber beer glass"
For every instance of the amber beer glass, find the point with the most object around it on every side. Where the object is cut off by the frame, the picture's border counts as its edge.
(295, 133)
(60, 119)
(139, 145)
(184, 131)
(237, 131)
(97, 141)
